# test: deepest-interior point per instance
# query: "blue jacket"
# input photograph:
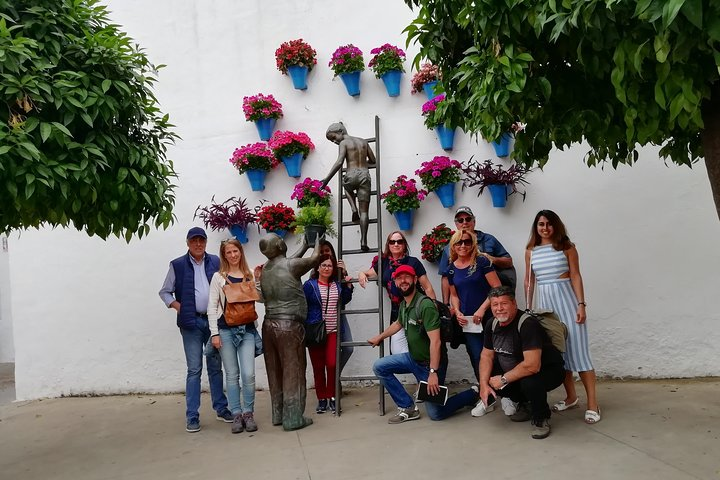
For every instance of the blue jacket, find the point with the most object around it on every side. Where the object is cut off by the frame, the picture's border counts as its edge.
(185, 286)
(314, 300)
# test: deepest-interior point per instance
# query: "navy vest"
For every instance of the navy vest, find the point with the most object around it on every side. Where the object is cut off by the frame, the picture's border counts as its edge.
(185, 286)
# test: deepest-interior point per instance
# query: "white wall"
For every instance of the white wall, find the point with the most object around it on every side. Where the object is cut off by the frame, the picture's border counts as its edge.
(645, 234)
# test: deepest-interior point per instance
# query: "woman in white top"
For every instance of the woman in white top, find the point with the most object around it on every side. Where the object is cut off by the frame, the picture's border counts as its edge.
(236, 344)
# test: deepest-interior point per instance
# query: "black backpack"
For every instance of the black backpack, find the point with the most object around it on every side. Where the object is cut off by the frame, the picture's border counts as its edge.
(450, 330)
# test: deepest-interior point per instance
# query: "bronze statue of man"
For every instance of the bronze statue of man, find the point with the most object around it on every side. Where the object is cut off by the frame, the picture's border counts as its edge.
(356, 181)
(284, 328)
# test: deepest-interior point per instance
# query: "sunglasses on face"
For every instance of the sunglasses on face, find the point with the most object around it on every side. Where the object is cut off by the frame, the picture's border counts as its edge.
(466, 241)
(396, 242)
(464, 220)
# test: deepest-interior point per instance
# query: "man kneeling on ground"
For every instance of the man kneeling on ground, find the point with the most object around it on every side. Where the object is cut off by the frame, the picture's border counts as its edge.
(519, 363)
(427, 358)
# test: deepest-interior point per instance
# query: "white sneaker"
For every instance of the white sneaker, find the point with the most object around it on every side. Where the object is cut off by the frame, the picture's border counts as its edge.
(480, 409)
(508, 406)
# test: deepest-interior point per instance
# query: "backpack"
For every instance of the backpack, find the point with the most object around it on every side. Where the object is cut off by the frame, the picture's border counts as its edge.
(555, 329)
(448, 329)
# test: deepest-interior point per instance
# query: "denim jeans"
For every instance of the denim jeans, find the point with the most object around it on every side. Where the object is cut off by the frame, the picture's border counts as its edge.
(474, 346)
(385, 369)
(194, 340)
(238, 358)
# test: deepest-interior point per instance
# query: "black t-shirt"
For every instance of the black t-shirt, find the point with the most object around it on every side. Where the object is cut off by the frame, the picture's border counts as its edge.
(509, 344)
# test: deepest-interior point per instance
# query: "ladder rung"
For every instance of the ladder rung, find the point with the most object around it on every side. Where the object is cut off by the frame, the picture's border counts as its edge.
(372, 192)
(353, 252)
(361, 311)
(350, 224)
(355, 344)
(358, 377)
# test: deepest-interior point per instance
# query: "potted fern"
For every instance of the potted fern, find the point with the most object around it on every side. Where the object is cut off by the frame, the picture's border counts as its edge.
(313, 220)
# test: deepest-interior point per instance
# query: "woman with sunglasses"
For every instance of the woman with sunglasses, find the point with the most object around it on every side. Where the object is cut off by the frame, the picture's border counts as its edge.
(552, 261)
(396, 253)
(471, 276)
(325, 297)
(236, 344)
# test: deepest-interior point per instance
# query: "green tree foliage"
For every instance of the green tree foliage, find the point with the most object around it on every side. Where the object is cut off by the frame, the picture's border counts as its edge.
(82, 140)
(618, 74)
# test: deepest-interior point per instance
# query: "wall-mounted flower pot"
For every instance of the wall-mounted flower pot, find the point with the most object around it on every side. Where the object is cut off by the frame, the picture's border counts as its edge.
(312, 232)
(293, 164)
(257, 179)
(502, 148)
(446, 137)
(279, 233)
(499, 194)
(240, 233)
(352, 82)
(446, 194)
(391, 80)
(298, 75)
(429, 89)
(265, 127)
(404, 219)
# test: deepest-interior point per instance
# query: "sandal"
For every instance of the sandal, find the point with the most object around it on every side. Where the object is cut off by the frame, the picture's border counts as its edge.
(592, 417)
(561, 406)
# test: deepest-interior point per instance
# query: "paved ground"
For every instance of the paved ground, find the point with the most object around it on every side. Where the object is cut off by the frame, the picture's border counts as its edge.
(651, 430)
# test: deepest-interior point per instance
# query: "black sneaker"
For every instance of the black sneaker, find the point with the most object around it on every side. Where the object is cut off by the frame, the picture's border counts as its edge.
(192, 426)
(331, 405)
(225, 416)
(322, 406)
(522, 414)
(540, 429)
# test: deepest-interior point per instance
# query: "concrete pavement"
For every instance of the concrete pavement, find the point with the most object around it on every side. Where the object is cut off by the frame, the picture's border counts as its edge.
(650, 430)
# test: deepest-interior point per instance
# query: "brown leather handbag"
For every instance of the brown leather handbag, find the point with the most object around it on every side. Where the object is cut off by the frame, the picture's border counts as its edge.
(240, 301)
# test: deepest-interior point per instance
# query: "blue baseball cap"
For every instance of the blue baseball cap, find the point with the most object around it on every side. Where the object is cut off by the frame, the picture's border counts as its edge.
(196, 232)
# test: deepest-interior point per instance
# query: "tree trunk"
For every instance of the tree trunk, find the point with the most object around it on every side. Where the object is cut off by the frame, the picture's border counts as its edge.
(711, 142)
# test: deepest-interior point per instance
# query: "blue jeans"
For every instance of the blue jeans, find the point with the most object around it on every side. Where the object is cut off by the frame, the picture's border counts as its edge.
(385, 369)
(238, 358)
(194, 340)
(474, 346)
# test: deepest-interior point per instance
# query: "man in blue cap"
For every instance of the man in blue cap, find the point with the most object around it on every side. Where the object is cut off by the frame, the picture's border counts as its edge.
(186, 290)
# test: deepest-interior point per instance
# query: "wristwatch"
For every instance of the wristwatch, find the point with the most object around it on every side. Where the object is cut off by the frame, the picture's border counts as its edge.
(432, 370)
(503, 380)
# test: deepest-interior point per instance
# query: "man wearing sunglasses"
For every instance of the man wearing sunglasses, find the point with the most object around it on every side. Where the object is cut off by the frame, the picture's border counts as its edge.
(487, 244)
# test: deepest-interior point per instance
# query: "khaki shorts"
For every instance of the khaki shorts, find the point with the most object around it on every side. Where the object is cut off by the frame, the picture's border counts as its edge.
(358, 180)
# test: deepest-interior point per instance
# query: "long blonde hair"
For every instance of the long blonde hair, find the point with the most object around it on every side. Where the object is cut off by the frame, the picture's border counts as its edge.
(225, 265)
(457, 236)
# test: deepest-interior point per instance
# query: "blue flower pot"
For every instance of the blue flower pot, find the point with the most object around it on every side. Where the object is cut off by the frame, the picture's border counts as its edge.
(404, 219)
(446, 194)
(293, 164)
(265, 127)
(391, 80)
(502, 148)
(279, 233)
(446, 136)
(298, 75)
(257, 179)
(240, 233)
(429, 89)
(352, 82)
(499, 194)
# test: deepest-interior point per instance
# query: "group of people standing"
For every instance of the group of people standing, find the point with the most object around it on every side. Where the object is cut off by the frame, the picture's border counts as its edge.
(475, 268)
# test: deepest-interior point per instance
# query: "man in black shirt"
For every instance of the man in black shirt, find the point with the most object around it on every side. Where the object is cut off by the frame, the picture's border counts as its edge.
(519, 363)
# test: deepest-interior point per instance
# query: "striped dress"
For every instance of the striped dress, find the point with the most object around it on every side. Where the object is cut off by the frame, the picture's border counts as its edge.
(553, 293)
